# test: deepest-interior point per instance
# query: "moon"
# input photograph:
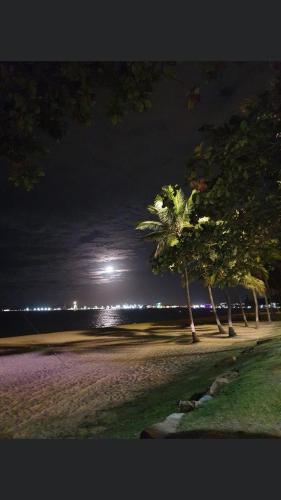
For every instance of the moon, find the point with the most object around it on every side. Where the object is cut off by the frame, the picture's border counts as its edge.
(109, 269)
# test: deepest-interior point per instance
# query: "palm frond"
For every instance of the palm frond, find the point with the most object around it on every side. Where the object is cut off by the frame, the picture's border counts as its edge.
(149, 225)
(189, 203)
(159, 249)
(171, 213)
(253, 283)
(179, 203)
(156, 236)
(262, 272)
(172, 240)
(158, 210)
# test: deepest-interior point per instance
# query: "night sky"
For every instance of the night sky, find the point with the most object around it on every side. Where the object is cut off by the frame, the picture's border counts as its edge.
(57, 240)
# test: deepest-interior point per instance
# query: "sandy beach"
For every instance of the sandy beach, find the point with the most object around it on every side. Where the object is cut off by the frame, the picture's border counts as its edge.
(49, 380)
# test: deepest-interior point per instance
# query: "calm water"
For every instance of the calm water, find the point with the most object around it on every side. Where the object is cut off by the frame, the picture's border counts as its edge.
(23, 323)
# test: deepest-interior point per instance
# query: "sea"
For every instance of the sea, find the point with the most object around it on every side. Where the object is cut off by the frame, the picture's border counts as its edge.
(16, 323)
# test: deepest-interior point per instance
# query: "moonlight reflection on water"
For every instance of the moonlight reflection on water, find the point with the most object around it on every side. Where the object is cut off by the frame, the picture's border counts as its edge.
(107, 318)
(32, 322)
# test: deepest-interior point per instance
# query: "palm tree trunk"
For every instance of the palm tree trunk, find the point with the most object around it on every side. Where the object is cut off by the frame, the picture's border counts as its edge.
(279, 302)
(266, 297)
(195, 338)
(267, 308)
(256, 308)
(231, 331)
(243, 313)
(220, 327)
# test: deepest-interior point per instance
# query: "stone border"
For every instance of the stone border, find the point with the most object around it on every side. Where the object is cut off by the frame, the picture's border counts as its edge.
(170, 425)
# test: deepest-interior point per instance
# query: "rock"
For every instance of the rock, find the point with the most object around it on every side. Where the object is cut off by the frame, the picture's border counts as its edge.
(226, 362)
(217, 385)
(174, 419)
(222, 380)
(186, 406)
(198, 395)
(162, 429)
(203, 400)
(231, 375)
(153, 432)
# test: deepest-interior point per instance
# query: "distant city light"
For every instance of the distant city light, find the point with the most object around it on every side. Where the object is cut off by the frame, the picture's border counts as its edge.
(157, 305)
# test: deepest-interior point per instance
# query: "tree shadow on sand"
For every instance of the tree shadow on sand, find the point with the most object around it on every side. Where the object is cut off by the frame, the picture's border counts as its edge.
(112, 339)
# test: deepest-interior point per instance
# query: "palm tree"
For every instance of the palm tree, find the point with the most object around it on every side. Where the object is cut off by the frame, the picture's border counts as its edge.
(243, 313)
(206, 255)
(257, 319)
(231, 331)
(265, 276)
(172, 210)
(195, 337)
(232, 269)
(267, 308)
(223, 278)
(220, 327)
(257, 286)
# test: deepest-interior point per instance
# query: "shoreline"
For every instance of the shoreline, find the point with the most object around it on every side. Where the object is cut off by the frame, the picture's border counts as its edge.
(179, 322)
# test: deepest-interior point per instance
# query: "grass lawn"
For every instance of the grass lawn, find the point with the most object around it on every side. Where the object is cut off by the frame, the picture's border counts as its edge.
(251, 403)
(128, 420)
